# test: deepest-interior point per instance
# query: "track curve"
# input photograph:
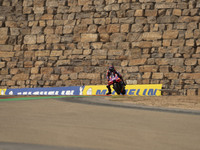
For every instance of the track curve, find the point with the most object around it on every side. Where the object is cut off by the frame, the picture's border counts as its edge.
(78, 123)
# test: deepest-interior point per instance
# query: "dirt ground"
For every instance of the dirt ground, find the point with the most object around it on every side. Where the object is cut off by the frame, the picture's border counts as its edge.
(183, 102)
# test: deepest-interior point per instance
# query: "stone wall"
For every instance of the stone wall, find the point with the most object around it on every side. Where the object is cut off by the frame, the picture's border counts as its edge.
(72, 42)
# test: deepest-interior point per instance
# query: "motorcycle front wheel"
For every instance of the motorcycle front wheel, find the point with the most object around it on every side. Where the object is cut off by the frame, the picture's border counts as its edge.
(116, 87)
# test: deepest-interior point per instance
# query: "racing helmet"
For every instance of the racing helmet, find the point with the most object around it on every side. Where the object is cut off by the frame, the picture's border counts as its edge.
(111, 69)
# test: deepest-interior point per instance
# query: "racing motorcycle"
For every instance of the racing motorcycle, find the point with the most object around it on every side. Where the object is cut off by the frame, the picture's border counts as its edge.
(118, 85)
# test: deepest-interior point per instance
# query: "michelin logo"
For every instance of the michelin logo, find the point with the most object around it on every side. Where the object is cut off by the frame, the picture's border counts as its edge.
(11, 93)
(133, 92)
(89, 91)
(67, 92)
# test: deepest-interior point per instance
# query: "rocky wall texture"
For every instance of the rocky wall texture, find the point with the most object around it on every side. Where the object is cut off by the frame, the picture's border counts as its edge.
(72, 42)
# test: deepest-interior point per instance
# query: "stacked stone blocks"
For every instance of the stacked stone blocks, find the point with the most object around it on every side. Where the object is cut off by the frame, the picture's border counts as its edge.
(45, 43)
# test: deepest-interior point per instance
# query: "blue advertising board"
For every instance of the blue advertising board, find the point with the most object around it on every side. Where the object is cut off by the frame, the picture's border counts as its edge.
(73, 90)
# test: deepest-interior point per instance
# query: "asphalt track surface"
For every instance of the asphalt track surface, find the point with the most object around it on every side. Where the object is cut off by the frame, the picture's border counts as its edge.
(94, 123)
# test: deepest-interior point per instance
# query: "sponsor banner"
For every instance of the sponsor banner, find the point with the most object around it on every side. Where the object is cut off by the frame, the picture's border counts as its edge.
(2, 91)
(132, 90)
(73, 90)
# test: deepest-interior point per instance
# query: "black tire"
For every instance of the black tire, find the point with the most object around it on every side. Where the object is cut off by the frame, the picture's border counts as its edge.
(123, 91)
(116, 87)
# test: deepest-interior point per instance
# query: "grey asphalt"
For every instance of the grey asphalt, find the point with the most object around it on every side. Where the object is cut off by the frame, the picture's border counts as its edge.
(95, 123)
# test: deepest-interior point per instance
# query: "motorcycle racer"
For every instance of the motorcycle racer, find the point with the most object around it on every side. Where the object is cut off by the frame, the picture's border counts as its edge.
(111, 72)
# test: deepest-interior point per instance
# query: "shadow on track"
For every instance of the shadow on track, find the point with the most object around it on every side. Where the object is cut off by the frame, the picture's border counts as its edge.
(101, 101)
(23, 146)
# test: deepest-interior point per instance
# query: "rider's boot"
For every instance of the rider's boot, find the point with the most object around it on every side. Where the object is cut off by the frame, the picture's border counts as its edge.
(109, 90)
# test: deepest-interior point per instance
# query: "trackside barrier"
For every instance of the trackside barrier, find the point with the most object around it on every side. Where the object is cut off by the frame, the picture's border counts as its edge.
(131, 90)
(73, 90)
